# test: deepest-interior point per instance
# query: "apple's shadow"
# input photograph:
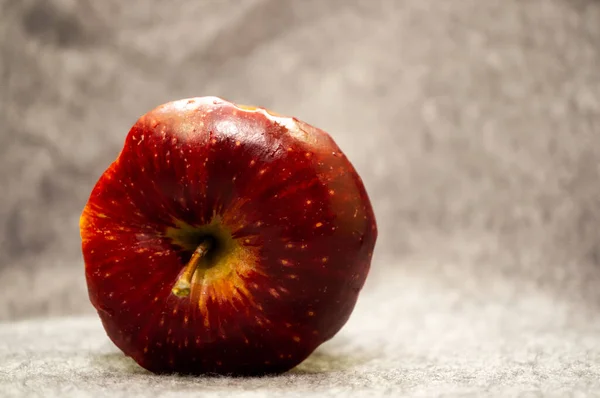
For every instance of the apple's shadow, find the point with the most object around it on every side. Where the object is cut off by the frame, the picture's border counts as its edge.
(117, 363)
(329, 360)
(324, 360)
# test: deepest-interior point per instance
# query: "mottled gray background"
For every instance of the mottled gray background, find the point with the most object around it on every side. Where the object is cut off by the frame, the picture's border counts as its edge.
(474, 124)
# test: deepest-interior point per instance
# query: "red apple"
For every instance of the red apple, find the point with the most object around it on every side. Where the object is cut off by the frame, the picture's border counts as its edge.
(225, 239)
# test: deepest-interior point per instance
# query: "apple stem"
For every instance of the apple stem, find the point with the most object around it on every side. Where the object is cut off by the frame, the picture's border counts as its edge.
(184, 283)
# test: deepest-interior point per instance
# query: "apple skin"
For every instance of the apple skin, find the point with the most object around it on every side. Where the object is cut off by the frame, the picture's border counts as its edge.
(293, 228)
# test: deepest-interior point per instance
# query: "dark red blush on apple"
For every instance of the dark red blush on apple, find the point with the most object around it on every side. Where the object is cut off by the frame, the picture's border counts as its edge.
(225, 239)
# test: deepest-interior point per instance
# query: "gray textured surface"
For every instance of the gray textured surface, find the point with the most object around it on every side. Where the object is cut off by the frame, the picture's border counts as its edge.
(425, 341)
(474, 124)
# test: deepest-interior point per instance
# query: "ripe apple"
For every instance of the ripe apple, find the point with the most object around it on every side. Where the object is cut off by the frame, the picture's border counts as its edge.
(225, 239)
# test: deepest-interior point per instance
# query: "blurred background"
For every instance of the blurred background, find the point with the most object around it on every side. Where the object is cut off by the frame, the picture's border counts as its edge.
(475, 126)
